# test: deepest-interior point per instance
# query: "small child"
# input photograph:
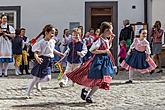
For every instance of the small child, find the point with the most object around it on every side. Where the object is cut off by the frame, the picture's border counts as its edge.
(17, 46)
(122, 53)
(138, 58)
(76, 50)
(88, 40)
(98, 71)
(44, 51)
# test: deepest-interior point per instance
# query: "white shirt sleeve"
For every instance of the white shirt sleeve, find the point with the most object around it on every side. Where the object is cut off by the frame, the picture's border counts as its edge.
(67, 51)
(36, 47)
(84, 50)
(148, 49)
(95, 45)
(11, 29)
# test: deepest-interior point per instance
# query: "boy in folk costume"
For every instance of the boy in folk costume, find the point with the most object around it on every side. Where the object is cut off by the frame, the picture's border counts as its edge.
(88, 40)
(25, 61)
(139, 56)
(17, 44)
(44, 51)
(98, 71)
(76, 50)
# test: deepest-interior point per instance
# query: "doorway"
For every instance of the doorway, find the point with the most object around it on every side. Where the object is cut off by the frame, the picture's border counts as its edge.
(98, 12)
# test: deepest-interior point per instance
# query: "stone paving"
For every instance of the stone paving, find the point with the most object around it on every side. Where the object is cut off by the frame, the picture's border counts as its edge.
(146, 93)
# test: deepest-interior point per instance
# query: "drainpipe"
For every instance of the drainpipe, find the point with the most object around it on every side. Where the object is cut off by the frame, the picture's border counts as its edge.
(146, 11)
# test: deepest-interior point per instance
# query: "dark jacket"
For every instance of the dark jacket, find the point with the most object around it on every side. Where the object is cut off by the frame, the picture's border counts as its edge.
(17, 45)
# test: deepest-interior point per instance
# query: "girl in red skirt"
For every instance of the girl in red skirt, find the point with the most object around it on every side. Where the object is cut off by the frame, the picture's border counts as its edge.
(98, 71)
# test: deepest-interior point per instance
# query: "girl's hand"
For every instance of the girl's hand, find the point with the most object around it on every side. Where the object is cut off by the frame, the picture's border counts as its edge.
(147, 59)
(79, 53)
(61, 55)
(39, 60)
(107, 51)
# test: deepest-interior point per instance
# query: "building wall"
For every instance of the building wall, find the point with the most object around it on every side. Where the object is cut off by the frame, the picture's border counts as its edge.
(35, 14)
(157, 13)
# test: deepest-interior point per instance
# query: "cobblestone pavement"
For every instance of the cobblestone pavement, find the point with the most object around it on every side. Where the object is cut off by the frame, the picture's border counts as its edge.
(146, 93)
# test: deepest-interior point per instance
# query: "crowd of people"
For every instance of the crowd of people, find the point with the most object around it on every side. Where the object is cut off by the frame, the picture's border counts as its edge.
(87, 58)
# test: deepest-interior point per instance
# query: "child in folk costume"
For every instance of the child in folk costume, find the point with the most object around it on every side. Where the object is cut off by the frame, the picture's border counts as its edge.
(88, 40)
(76, 50)
(139, 56)
(97, 72)
(66, 41)
(17, 45)
(44, 51)
(25, 55)
(57, 45)
(122, 54)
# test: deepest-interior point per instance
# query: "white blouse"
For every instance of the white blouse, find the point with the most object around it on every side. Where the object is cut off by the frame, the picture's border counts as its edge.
(11, 29)
(45, 48)
(97, 44)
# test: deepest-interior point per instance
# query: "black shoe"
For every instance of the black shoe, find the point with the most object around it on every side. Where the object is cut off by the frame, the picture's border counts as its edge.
(152, 72)
(27, 69)
(89, 100)
(0, 75)
(160, 71)
(128, 82)
(83, 94)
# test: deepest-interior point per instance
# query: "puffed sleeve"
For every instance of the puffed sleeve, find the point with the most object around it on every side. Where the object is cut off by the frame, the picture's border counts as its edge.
(37, 47)
(95, 45)
(84, 50)
(132, 46)
(148, 49)
(11, 29)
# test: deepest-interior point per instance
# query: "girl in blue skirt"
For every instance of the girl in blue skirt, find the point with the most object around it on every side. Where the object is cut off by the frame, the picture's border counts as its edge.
(138, 58)
(43, 52)
(97, 72)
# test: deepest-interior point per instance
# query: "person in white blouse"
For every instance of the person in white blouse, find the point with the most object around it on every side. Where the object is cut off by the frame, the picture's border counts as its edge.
(5, 45)
(43, 52)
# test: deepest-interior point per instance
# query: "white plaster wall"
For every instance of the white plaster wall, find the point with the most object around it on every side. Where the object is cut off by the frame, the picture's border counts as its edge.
(36, 13)
(158, 7)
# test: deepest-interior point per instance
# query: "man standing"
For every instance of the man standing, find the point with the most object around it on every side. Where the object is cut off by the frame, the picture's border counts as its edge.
(126, 34)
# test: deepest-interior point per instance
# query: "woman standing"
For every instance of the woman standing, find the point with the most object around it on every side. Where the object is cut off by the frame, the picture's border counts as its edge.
(5, 45)
(156, 37)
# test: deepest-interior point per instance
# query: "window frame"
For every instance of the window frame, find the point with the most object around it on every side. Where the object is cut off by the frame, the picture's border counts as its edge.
(17, 16)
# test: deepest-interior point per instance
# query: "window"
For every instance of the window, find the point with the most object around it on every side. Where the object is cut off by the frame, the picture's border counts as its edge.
(73, 25)
(13, 15)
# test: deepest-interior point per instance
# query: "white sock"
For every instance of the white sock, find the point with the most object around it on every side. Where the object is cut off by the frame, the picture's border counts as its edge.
(1, 68)
(31, 85)
(131, 75)
(94, 89)
(6, 65)
(46, 78)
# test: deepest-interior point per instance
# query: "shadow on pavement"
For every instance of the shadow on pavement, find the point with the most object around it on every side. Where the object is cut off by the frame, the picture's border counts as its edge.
(54, 104)
(13, 98)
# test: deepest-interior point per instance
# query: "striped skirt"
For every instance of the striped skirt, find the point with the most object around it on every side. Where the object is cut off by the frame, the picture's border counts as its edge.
(94, 73)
